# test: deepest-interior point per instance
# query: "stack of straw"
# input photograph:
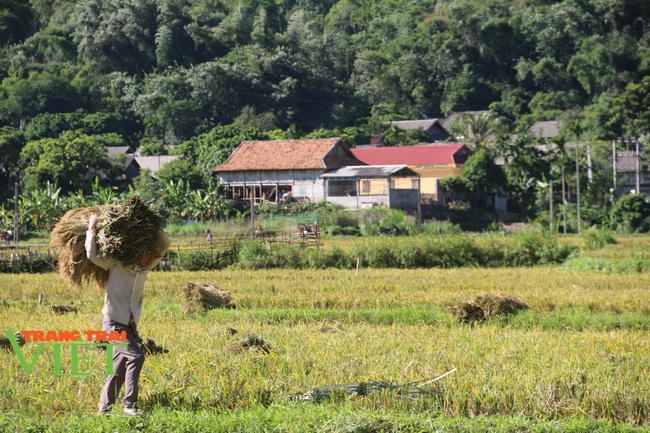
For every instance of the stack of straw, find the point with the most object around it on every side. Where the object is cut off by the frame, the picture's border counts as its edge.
(125, 232)
(199, 297)
(488, 305)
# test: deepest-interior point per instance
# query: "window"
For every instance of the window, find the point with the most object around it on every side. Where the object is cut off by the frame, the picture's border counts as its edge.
(342, 188)
(365, 186)
(415, 183)
(392, 184)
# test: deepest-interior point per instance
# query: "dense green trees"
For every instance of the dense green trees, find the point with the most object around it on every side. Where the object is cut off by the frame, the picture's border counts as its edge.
(69, 160)
(195, 77)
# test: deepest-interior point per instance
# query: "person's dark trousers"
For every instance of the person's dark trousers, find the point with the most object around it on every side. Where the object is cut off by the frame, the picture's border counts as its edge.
(127, 364)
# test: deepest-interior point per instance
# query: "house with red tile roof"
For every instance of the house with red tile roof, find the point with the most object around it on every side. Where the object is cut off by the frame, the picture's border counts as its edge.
(315, 170)
(277, 170)
(431, 161)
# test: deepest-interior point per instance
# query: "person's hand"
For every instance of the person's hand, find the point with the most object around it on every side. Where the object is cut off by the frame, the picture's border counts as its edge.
(92, 221)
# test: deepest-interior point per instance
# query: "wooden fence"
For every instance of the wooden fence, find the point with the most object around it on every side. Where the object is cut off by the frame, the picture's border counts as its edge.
(222, 251)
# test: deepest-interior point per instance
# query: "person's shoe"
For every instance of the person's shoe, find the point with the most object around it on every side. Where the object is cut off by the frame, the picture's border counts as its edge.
(131, 411)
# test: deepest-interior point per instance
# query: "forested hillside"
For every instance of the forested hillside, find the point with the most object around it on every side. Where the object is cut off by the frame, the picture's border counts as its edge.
(196, 76)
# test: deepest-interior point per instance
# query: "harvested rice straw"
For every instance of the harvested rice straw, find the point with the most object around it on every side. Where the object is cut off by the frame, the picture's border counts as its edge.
(199, 297)
(125, 233)
(488, 305)
(68, 239)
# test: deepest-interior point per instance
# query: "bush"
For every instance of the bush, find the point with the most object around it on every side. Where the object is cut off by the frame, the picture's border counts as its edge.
(195, 261)
(445, 251)
(631, 214)
(342, 231)
(35, 263)
(440, 228)
(632, 265)
(533, 247)
(597, 239)
(255, 255)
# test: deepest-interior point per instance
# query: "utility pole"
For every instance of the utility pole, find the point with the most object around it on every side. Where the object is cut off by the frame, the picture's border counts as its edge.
(563, 201)
(419, 208)
(614, 155)
(578, 182)
(550, 205)
(637, 177)
(590, 176)
(16, 214)
(252, 212)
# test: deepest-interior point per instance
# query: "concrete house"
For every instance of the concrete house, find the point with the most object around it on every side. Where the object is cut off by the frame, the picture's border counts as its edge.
(431, 162)
(270, 171)
(365, 186)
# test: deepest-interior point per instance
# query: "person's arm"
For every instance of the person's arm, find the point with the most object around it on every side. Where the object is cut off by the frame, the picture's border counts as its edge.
(91, 245)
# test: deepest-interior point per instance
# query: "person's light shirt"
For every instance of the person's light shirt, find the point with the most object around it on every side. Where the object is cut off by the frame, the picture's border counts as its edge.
(124, 288)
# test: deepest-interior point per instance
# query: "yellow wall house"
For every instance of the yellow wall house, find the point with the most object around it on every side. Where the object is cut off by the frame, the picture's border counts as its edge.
(431, 161)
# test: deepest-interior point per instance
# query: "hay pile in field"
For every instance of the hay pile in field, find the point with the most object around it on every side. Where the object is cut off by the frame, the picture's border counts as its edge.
(204, 296)
(489, 305)
(252, 342)
(5, 343)
(125, 233)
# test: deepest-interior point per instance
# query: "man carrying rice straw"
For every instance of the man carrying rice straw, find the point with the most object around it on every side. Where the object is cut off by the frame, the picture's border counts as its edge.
(122, 307)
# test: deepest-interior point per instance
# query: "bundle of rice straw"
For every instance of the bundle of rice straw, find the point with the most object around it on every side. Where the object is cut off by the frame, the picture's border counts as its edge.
(488, 305)
(203, 297)
(253, 342)
(125, 232)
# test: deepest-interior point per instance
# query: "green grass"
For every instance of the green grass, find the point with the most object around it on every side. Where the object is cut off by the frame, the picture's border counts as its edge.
(576, 361)
(297, 418)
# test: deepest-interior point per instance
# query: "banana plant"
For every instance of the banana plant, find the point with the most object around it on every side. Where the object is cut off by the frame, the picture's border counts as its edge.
(39, 208)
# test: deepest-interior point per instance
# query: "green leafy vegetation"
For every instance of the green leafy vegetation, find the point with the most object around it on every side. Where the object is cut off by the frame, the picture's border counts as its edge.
(195, 80)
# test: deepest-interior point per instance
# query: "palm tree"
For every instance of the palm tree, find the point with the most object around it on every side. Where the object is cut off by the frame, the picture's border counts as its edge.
(477, 128)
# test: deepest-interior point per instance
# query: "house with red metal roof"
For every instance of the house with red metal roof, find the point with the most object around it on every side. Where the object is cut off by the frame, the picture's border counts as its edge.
(431, 161)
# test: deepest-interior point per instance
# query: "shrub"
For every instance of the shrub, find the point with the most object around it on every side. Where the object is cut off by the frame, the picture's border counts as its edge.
(35, 263)
(440, 228)
(597, 239)
(195, 261)
(631, 214)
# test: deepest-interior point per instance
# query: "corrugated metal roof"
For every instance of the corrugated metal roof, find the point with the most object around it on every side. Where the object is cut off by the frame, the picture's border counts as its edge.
(415, 124)
(367, 171)
(155, 163)
(447, 121)
(289, 155)
(429, 154)
(117, 150)
(626, 161)
(545, 129)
